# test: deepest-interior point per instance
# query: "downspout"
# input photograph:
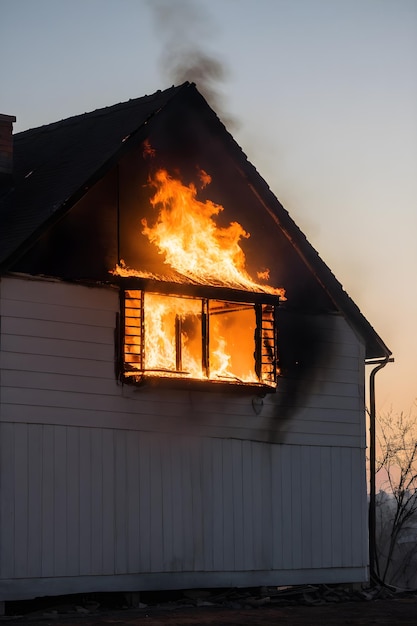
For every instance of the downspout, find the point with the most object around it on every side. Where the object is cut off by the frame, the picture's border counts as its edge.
(372, 464)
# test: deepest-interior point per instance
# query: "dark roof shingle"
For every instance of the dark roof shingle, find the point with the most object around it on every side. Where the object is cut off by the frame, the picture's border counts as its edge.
(53, 162)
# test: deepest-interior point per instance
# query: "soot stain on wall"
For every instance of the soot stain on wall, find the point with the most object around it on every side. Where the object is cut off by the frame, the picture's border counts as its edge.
(304, 347)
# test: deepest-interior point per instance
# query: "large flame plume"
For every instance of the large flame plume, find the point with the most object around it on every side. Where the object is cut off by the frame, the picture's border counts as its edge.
(188, 237)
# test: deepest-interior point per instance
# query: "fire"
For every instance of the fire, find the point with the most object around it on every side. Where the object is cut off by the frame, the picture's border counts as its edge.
(232, 327)
(173, 337)
(186, 234)
(176, 328)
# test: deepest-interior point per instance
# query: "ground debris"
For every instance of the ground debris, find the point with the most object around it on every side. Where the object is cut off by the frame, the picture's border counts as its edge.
(100, 606)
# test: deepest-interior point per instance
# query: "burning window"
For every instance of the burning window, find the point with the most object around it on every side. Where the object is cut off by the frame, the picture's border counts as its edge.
(203, 317)
(202, 337)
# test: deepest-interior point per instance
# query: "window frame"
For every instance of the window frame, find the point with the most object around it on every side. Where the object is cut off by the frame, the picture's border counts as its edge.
(265, 308)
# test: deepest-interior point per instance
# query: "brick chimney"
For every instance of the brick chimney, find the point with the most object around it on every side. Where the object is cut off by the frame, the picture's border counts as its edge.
(6, 146)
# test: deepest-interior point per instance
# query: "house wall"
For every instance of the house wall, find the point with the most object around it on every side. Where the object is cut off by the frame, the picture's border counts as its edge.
(105, 486)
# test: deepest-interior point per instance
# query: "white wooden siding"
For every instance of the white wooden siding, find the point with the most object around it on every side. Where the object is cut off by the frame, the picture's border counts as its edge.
(92, 501)
(100, 480)
(58, 367)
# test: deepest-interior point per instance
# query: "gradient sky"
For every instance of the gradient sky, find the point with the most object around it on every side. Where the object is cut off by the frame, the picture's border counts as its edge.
(322, 97)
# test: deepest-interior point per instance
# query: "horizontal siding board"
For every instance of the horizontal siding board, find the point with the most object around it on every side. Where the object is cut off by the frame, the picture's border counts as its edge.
(333, 375)
(342, 389)
(61, 399)
(78, 374)
(59, 382)
(337, 362)
(59, 365)
(236, 400)
(338, 414)
(317, 426)
(46, 329)
(62, 313)
(273, 405)
(310, 421)
(343, 347)
(14, 413)
(81, 349)
(143, 405)
(330, 401)
(332, 329)
(48, 292)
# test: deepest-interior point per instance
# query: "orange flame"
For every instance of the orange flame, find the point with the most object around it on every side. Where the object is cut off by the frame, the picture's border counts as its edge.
(173, 339)
(186, 233)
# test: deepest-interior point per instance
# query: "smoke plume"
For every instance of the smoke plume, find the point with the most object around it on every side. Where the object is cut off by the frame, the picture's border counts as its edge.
(183, 28)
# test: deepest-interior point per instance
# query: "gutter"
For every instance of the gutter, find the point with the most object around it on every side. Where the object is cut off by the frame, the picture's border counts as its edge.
(380, 363)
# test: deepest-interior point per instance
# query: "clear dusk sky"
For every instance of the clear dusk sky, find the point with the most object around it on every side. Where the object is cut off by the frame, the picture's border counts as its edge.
(322, 97)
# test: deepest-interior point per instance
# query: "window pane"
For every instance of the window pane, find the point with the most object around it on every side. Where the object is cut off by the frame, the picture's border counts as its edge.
(232, 341)
(173, 340)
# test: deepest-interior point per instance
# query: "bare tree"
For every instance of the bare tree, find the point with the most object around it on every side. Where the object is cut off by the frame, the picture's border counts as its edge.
(396, 502)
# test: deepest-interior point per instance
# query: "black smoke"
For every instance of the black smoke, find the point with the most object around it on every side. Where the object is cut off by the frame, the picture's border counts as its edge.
(184, 28)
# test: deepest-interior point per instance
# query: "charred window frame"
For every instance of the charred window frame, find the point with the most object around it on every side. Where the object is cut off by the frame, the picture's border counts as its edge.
(245, 321)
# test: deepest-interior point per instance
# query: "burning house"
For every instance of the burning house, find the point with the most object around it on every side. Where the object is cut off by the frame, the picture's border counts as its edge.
(182, 376)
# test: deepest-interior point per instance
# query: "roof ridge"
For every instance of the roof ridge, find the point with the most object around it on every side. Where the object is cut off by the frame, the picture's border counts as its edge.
(100, 111)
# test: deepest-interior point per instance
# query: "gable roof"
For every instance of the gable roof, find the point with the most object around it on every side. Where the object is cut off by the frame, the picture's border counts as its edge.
(55, 164)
